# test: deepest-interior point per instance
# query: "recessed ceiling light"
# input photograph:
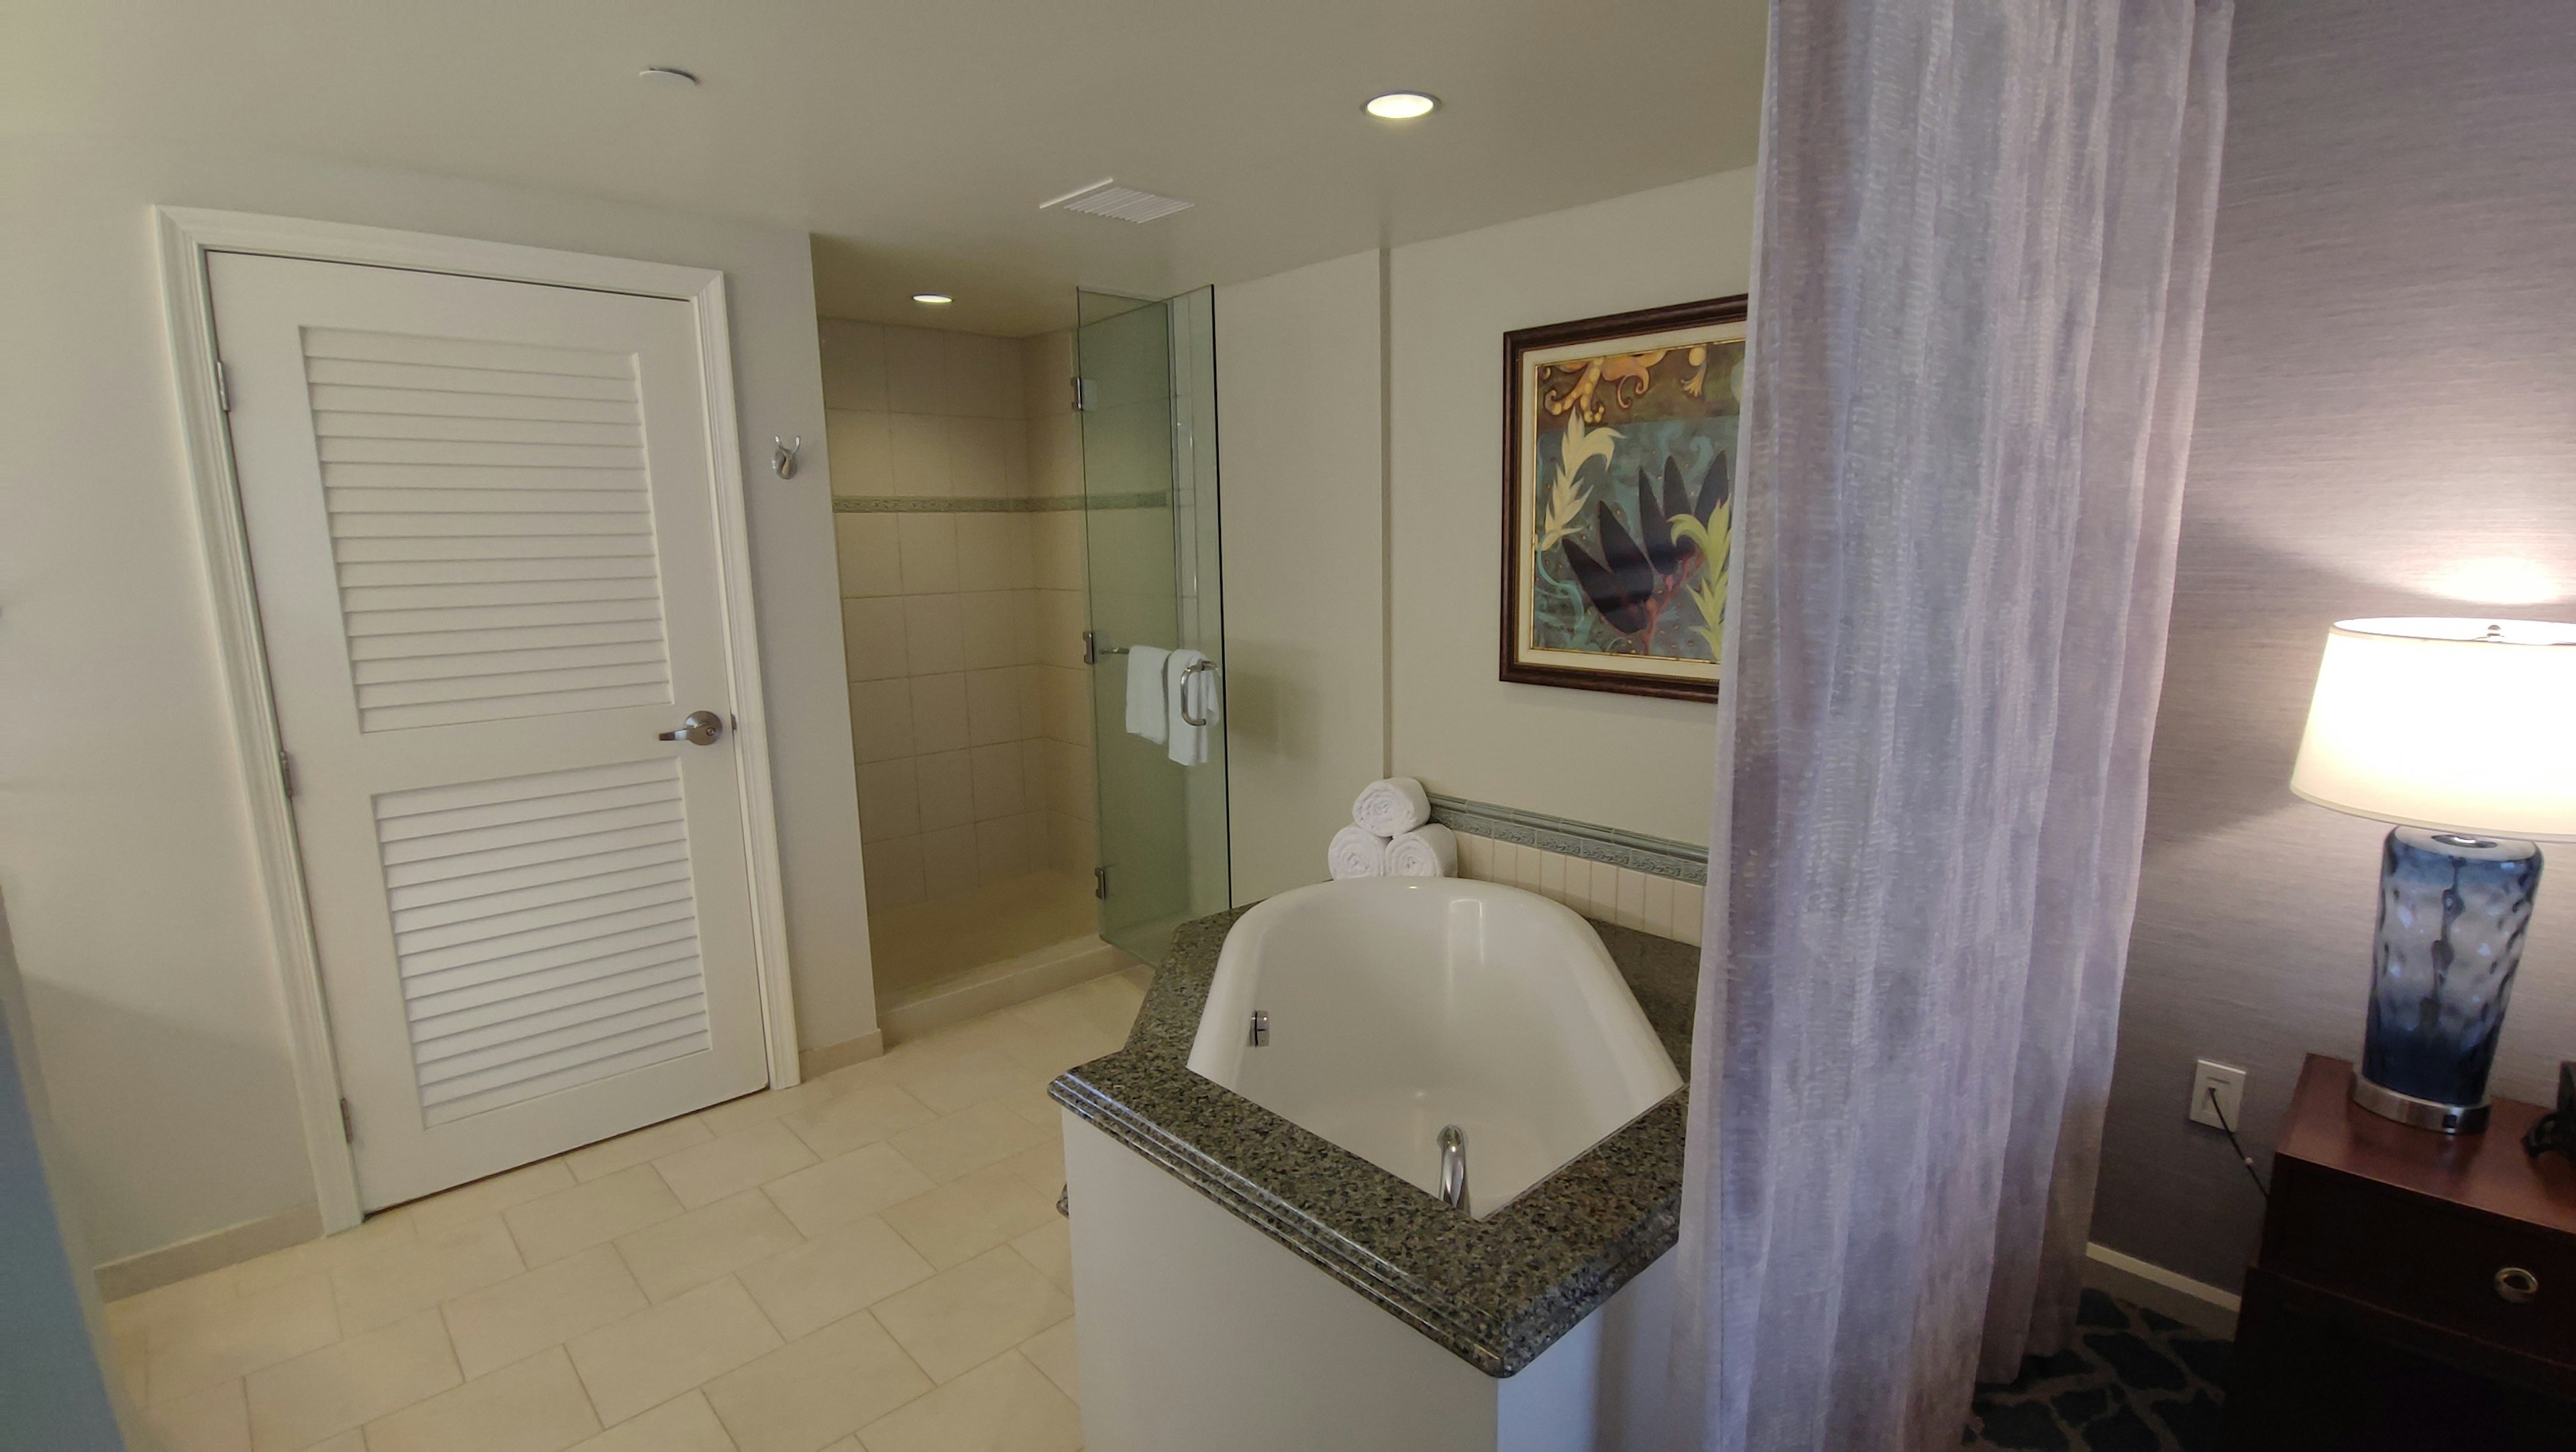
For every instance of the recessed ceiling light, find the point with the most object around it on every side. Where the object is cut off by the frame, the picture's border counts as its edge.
(1402, 105)
(933, 299)
(671, 76)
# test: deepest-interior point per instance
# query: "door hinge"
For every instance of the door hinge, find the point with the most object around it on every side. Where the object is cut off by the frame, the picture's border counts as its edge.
(1100, 883)
(286, 770)
(348, 1123)
(1083, 395)
(223, 386)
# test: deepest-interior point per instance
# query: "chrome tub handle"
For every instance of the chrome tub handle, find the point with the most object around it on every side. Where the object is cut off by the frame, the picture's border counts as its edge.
(1453, 1169)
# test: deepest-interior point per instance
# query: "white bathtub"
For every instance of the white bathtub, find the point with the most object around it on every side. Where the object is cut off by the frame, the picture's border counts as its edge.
(1398, 1006)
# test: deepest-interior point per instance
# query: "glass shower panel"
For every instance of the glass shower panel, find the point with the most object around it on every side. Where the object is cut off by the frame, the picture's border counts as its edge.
(1149, 480)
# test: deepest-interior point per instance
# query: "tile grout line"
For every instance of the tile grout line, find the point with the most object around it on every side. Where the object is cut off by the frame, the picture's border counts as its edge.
(327, 1279)
(757, 1309)
(870, 1311)
(588, 1399)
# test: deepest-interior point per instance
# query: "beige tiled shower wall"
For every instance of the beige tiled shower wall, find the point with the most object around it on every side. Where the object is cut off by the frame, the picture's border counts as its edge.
(1066, 778)
(955, 671)
(1621, 895)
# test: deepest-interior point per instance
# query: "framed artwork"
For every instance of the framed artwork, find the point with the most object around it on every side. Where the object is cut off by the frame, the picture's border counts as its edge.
(1619, 449)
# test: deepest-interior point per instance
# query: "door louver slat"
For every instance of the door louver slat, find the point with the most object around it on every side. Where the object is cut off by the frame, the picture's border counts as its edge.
(575, 824)
(551, 855)
(634, 1051)
(445, 451)
(443, 991)
(527, 980)
(437, 1015)
(481, 884)
(460, 378)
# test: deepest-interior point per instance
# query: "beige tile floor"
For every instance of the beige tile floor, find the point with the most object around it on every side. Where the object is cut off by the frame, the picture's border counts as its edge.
(869, 1262)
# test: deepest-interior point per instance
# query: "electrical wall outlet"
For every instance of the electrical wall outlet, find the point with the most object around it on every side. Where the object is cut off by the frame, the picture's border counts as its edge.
(2230, 1084)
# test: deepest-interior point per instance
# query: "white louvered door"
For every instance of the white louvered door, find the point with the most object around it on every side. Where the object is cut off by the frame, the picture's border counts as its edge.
(483, 527)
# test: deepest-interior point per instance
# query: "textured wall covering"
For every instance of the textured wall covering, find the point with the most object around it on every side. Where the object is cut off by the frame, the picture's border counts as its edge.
(2387, 426)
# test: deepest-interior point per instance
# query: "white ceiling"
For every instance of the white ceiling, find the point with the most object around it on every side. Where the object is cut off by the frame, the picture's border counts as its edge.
(915, 138)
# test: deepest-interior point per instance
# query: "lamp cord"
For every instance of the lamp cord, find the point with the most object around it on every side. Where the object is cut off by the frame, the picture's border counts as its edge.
(2230, 1131)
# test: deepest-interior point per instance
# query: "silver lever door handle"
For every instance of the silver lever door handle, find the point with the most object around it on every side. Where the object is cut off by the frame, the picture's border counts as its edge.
(1184, 689)
(701, 728)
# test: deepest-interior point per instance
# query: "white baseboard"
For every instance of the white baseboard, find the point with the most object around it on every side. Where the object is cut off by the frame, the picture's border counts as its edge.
(2194, 1303)
(134, 1274)
(814, 1063)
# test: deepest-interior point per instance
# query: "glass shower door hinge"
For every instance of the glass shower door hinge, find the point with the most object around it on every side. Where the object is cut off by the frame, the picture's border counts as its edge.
(1100, 883)
(1083, 397)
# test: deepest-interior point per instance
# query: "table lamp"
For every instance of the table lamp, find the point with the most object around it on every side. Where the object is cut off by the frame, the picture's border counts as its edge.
(2463, 732)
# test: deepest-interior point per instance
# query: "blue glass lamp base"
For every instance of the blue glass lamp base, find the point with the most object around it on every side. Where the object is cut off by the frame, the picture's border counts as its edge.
(2453, 910)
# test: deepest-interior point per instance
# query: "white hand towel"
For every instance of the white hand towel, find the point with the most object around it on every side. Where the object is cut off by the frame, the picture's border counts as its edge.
(1392, 807)
(1357, 852)
(1427, 851)
(1148, 713)
(1190, 695)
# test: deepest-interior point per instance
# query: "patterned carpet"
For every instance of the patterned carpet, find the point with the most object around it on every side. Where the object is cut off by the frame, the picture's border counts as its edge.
(2134, 1382)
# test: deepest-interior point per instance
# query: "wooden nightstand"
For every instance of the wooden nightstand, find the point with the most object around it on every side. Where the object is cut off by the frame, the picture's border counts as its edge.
(2412, 1290)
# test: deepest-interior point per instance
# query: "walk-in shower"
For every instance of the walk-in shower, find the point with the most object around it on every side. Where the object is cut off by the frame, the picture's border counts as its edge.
(1019, 522)
(1146, 397)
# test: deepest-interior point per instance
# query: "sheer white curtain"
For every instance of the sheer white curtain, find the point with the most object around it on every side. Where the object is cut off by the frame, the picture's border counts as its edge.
(1983, 246)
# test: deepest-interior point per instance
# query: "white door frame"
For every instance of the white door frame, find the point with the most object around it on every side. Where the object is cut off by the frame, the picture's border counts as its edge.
(187, 235)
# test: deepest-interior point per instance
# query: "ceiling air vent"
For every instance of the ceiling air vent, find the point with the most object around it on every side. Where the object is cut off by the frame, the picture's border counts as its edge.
(1106, 198)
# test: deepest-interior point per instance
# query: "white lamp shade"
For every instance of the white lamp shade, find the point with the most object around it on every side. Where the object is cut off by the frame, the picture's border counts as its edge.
(2457, 725)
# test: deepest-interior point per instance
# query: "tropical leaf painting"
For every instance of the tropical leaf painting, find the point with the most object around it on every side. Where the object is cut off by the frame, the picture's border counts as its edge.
(1575, 447)
(1632, 457)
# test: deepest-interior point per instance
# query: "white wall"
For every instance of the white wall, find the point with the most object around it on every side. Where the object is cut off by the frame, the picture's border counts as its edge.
(1621, 761)
(1361, 406)
(1305, 610)
(126, 854)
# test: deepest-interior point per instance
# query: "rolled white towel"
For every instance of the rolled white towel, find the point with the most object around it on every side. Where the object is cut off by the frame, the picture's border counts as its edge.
(1357, 852)
(1427, 851)
(1392, 807)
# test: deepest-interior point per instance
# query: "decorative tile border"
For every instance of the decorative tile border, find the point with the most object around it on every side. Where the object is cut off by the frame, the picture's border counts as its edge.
(1654, 856)
(1648, 903)
(997, 504)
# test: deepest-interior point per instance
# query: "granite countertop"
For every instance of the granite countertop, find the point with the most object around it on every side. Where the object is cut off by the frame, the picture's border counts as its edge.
(1496, 1291)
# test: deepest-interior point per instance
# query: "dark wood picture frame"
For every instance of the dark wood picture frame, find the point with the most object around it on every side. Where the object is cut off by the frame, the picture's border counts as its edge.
(1516, 345)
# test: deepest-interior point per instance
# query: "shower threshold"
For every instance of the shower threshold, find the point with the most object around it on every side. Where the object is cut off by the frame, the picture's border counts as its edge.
(984, 989)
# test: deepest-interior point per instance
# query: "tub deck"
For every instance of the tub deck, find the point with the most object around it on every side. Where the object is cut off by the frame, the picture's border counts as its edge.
(1495, 1292)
